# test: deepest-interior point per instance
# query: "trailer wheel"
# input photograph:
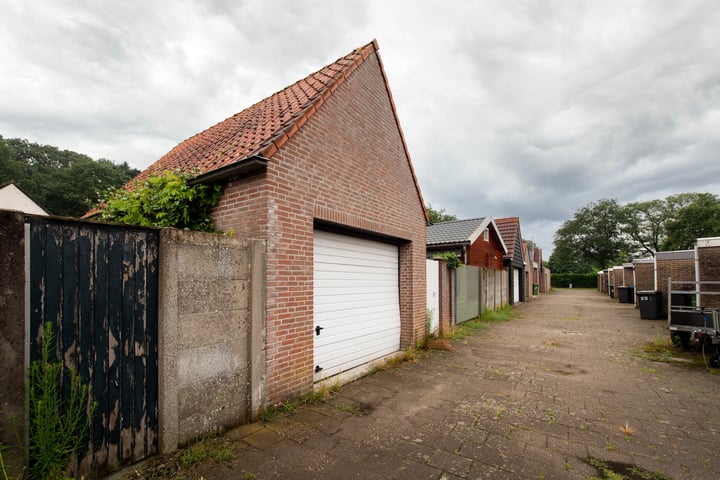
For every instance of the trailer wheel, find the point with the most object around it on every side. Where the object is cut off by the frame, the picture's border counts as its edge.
(680, 339)
(715, 359)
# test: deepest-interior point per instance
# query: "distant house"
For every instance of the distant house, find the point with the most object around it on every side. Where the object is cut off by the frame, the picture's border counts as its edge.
(476, 241)
(513, 261)
(320, 171)
(13, 198)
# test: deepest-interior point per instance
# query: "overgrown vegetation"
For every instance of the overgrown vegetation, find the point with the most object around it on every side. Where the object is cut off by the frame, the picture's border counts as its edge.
(451, 259)
(179, 464)
(465, 329)
(164, 200)
(325, 391)
(577, 280)
(57, 426)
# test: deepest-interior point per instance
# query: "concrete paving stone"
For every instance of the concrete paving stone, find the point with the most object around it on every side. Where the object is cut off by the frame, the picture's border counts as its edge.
(526, 399)
(263, 439)
(291, 429)
(444, 441)
(450, 462)
(529, 437)
(481, 471)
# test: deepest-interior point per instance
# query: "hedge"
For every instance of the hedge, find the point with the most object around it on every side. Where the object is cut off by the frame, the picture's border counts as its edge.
(578, 280)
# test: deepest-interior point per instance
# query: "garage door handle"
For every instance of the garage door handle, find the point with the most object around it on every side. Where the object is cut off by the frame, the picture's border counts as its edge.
(317, 330)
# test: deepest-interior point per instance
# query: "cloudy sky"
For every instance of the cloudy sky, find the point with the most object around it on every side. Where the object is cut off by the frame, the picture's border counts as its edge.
(509, 108)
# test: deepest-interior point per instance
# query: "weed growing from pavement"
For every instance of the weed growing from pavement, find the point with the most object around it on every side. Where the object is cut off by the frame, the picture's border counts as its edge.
(627, 429)
(205, 451)
(662, 349)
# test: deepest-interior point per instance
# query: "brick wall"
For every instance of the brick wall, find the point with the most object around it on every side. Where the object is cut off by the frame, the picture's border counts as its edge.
(709, 270)
(679, 265)
(447, 299)
(644, 275)
(346, 165)
(628, 275)
(486, 254)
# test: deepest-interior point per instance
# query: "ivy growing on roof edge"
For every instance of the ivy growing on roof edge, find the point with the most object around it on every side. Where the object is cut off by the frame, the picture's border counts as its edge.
(164, 200)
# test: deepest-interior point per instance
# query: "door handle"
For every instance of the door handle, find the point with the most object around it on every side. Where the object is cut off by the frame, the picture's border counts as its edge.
(317, 330)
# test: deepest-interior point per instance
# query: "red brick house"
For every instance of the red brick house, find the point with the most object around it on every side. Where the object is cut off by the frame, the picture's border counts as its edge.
(513, 260)
(477, 241)
(321, 172)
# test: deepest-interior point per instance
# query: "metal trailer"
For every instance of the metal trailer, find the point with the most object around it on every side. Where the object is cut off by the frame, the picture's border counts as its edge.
(689, 322)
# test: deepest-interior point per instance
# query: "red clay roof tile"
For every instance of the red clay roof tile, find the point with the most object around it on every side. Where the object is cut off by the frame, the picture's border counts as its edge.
(264, 127)
(508, 228)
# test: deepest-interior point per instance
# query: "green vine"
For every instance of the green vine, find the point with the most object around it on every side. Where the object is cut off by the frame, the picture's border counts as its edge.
(451, 259)
(164, 200)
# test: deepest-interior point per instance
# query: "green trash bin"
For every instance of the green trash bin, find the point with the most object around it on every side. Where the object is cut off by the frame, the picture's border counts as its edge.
(536, 289)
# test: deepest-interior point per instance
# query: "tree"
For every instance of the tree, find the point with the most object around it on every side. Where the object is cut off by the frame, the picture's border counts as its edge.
(565, 260)
(439, 216)
(63, 182)
(165, 200)
(644, 223)
(698, 218)
(595, 235)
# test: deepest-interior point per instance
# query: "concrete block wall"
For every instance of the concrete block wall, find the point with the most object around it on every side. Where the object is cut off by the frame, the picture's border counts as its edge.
(211, 334)
(12, 333)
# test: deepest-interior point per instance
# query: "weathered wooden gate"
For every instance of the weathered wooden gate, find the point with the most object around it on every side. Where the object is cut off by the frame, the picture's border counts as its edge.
(98, 284)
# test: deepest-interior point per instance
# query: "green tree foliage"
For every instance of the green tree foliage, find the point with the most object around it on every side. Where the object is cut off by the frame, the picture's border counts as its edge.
(439, 216)
(165, 200)
(635, 230)
(698, 218)
(594, 234)
(63, 182)
(565, 259)
(644, 223)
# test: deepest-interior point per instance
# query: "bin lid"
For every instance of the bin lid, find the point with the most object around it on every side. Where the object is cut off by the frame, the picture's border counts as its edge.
(648, 292)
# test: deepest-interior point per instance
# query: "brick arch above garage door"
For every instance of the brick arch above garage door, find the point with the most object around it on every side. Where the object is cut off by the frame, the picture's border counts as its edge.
(356, 302)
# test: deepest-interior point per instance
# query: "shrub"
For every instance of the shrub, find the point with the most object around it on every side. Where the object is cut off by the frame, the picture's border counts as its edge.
(165, 200)
(578, 280)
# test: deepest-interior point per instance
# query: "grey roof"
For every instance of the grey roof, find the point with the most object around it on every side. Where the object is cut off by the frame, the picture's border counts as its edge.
(460, 231)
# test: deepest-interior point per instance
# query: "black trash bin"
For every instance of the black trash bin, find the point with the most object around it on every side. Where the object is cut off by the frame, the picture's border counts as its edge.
(623, 294)
(650, 302)
(611, 290)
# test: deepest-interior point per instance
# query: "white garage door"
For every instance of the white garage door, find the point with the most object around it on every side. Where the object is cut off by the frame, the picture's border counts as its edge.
(516, 285)
(356, 302)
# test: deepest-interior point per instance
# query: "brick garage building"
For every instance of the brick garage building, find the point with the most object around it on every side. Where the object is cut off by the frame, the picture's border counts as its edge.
(476, 241)
(321, 172)
(708, 266)
(678, 265)
(509, 229)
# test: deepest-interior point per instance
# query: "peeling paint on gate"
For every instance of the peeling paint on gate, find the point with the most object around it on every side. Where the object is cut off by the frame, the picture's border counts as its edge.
(98, 284)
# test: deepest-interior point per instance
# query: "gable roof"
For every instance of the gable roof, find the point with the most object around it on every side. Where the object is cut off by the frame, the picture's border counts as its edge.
(460, 232)
(509, 231)
(12, 197)
(260, 130)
